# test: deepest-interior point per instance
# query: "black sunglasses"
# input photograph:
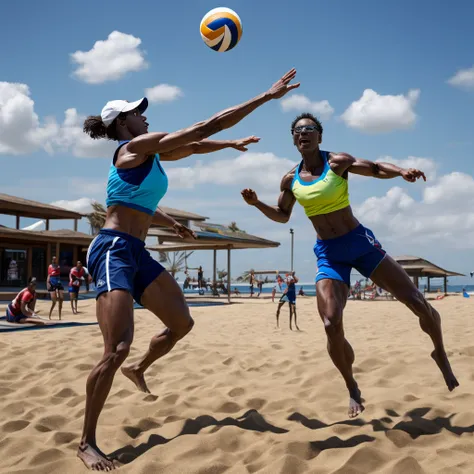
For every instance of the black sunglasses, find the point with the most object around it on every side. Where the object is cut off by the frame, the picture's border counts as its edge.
(305, 128)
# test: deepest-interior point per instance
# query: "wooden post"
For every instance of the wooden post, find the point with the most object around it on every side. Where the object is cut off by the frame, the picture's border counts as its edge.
(214, 275)
(48, 254)
(229, 289)
(75, 225)
(47, 224)
(29, 267)
(17, 221)
(75, 256)
(445, 285)
(429, 284)
(416, 282)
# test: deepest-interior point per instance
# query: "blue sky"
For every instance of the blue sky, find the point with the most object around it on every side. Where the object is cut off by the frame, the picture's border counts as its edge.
(340, 50)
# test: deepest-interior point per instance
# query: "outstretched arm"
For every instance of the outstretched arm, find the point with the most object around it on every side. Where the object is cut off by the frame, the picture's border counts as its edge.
(282, 211)
(345, 162)
(151, 143)
(207, 146)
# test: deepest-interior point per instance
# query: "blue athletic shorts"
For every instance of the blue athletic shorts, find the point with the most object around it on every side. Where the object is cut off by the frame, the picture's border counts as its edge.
(116, 260)
(74, 289)
(357, 249)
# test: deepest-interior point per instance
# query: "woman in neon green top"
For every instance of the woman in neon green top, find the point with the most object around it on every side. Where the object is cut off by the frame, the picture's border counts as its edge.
(319, 183)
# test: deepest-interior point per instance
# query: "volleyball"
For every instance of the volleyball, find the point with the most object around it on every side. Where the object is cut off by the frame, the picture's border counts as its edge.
(221, 29)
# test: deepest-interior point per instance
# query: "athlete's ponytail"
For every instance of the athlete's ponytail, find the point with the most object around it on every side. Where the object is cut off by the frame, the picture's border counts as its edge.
(94, 127)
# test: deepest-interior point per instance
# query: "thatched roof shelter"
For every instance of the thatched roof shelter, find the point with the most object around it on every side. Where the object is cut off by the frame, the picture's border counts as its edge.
(39, 236)
(418, 267)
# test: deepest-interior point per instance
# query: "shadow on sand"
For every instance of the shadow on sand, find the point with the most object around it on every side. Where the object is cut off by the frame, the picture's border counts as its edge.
(252, 420)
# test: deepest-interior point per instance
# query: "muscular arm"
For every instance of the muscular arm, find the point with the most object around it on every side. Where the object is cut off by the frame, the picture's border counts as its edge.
(25, 309)
(343, 162)
(163, 219)
(375, 170)
(151, 143)
(282, 211)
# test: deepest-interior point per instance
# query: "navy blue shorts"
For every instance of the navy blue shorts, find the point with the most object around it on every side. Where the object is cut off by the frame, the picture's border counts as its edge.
(74, 289)
(119, 261)
(11, 318)
(289, 297)
(357, 249)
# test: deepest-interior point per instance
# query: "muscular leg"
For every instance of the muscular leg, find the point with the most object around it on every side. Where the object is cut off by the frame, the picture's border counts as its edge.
(115, 317)
(280, 304)
(53, 302)
(164, 298)
(331, 299)
(60, 302)
(391, 277)
(294, 313)
(290, 306)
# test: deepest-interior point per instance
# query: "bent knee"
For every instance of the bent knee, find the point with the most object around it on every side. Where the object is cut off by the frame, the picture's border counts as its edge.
(113, 359)
(415, 301)
(332, 321)
(184, 329)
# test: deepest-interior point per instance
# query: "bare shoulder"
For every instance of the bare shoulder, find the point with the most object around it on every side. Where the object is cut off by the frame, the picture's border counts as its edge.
(341, 158)
(288, 179)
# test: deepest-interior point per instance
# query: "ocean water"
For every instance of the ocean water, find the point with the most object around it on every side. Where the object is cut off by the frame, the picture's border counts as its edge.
(310, 290)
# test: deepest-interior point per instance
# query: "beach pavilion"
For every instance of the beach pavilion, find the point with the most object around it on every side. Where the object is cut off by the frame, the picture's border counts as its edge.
(26, 253)
(418, 267)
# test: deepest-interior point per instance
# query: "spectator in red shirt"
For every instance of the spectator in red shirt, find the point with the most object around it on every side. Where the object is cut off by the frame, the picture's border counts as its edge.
(55, 287)
(76, 277)
(22, 309)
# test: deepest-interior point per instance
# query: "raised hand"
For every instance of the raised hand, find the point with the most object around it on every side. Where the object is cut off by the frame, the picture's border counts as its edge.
(283, 86)
(412, 174)
(183, 231)
(250, 196)
(241, 144)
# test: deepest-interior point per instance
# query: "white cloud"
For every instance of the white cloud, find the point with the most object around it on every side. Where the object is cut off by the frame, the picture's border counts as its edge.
(20, 128)
(249, 169)
(463, 78)
(82, 205)
(374, 113)
(70, 137)
(301, 103)
(110, 60)
(163, 93)
(439, 217)
(21, 131)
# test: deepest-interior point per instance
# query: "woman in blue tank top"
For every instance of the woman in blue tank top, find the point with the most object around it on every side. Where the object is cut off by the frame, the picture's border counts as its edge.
(117, 260)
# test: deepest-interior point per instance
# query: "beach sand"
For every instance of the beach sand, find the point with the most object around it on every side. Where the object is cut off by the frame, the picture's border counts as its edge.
(239, 396)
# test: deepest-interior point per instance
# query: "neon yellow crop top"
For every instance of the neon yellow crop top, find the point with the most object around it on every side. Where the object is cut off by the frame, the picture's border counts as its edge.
(328, 193)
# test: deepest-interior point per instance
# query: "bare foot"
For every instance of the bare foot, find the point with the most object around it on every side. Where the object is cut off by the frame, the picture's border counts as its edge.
(442, 362)
(355, 403)
(94, 459)
(136, 378)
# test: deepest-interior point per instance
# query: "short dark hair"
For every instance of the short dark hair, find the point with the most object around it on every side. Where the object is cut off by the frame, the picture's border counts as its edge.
(309, 116)
(95, 128)
(31, 280)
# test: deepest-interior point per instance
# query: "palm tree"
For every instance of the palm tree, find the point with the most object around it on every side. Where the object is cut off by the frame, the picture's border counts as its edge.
(176, 264)
(97, 217)
(245, 276)
(233, 227)
(221, 274)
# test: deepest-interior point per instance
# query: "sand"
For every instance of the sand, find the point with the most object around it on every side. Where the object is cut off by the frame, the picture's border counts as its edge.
(239, 396)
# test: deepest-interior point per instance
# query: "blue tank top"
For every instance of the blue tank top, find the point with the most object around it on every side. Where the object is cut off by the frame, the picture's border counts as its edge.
(139, 188)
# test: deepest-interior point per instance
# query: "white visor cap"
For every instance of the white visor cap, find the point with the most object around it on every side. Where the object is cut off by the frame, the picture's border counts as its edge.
(114, 108)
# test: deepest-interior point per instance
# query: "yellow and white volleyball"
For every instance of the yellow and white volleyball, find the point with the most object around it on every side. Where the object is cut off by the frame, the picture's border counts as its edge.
(221, 29)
